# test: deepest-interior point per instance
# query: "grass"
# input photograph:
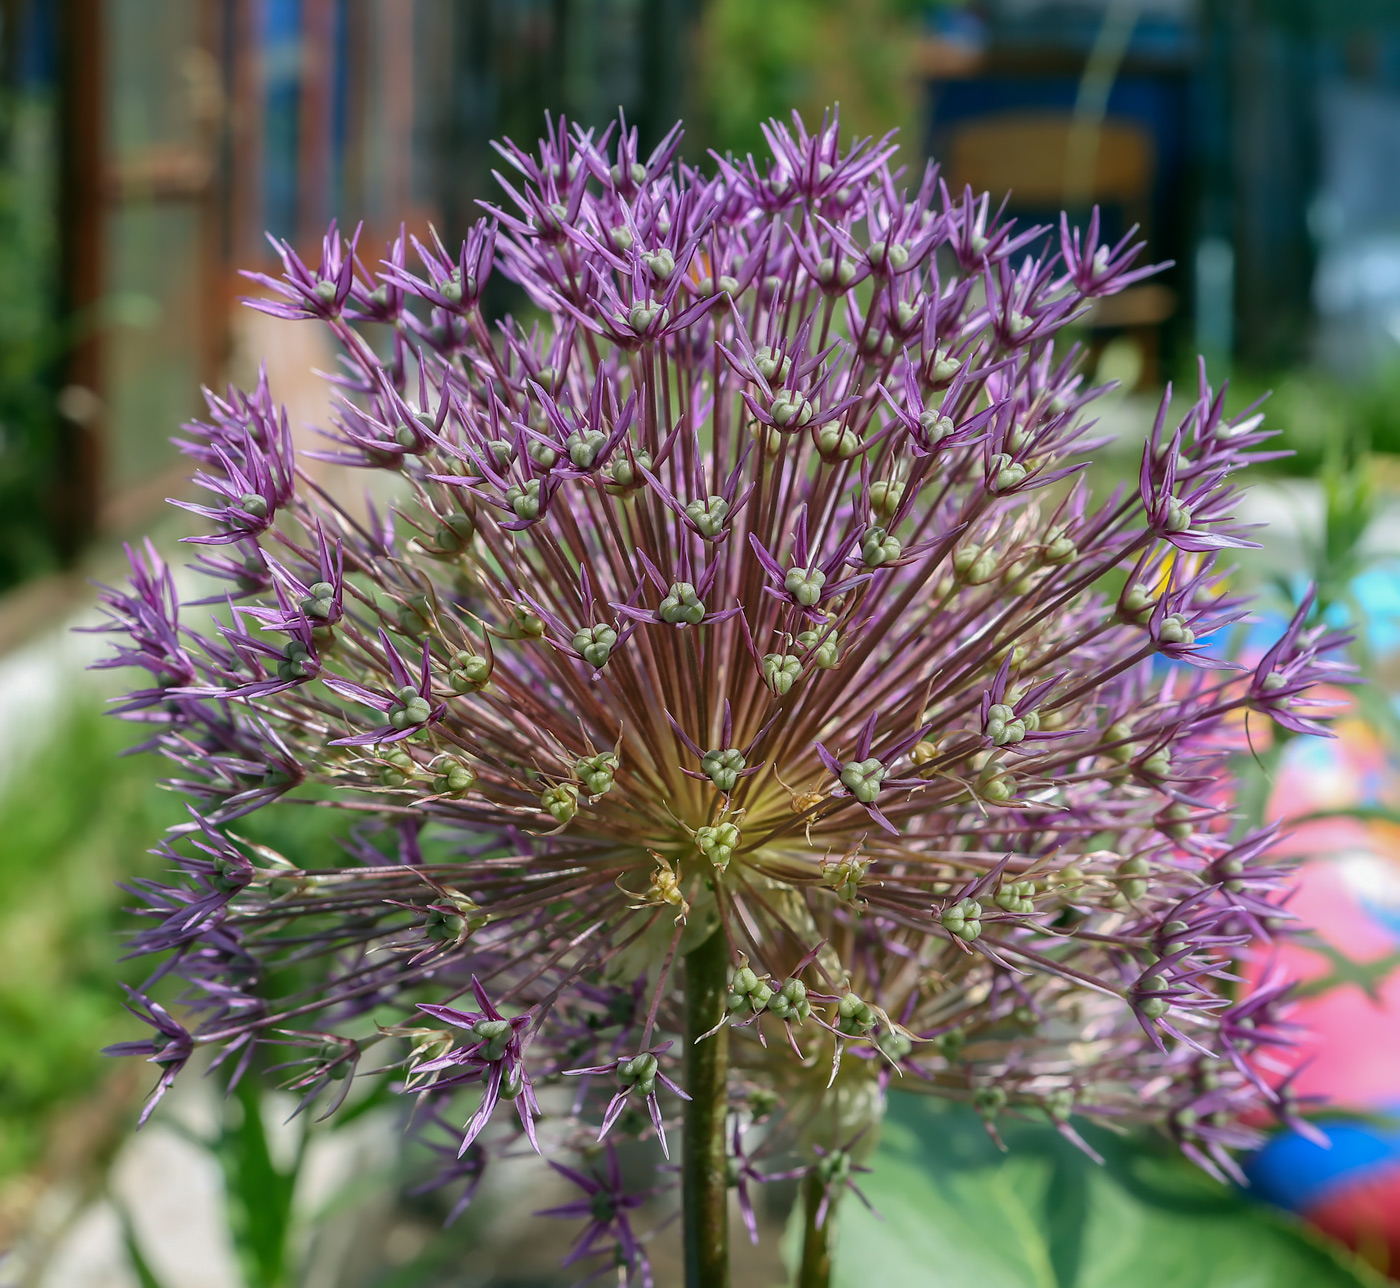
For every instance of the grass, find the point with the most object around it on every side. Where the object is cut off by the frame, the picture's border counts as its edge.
(73, 822)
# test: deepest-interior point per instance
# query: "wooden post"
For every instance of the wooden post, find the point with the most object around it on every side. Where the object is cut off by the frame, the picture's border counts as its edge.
(77, 491)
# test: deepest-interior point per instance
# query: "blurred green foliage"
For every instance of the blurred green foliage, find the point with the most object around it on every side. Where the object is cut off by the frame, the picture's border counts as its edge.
(957, 1211)
(763, 60)
(73, 821)
(1324, 422)
(30, 337)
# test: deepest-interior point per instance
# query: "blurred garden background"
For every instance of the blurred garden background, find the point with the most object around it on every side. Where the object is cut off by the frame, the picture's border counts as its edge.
(146, 146)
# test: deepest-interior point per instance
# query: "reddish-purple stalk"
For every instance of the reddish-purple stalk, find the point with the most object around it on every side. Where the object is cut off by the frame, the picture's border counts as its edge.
(747, 608)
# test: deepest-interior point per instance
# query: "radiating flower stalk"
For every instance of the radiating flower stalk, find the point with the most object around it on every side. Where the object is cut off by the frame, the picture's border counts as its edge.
(738, 705)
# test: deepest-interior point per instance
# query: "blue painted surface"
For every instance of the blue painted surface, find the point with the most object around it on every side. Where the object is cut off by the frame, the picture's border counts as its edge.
(1294, 1173)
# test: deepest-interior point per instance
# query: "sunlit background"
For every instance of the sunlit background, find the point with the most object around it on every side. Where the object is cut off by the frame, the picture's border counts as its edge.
(147, 147)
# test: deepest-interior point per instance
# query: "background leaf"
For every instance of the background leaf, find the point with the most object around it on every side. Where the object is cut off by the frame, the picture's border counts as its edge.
(956, 1211)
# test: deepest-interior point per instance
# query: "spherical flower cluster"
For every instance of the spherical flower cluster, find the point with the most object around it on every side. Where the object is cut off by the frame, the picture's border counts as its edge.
(740, 697)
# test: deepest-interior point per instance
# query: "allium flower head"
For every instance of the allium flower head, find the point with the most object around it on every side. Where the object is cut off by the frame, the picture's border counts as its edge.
(753, 589)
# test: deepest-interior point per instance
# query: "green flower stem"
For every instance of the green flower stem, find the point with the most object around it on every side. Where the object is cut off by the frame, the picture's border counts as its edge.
(815, 1271)
(704, 1164)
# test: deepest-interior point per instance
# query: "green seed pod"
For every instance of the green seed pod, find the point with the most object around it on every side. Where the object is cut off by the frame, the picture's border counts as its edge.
(454, 778)
(681, 606)
(415, 615)
(826, 643)
(936, 426)
(709, 515)
(1017, 897)
(398, 768)
(524, 623)
(854, 1016)
(878, 548)
(595, 643)
(1135, 605)
(596, 772)
(722, 767)
(410, 709)
(1175, 821)
(862, 778)
(560, 802)
(297, 662)
(1005, 473)
(962, 919)
(771, 366)
(1131, 878)
(1174, 630)
(1158, 765)
(469, 672)
(885, 498)
(989, 1101)
(781, 671)
(1116, 732)
(1058, 550)
(524, 501)
(583, 448)
(837, 444)
(972, 566)
(718, 843)
(805, 586)
(622, 476)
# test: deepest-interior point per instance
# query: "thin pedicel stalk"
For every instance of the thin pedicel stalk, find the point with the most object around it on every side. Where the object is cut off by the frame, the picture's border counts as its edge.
(753, 585)
(704, 1162)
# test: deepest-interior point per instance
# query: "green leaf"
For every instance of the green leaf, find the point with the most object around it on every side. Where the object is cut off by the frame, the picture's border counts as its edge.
(956, 1211)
